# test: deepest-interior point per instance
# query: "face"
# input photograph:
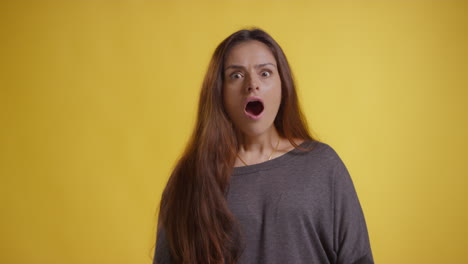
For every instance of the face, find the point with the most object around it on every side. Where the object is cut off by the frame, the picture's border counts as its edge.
(252, 87)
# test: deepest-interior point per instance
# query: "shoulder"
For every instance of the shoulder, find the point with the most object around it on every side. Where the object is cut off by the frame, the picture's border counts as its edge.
(320, 150)
(318, 155)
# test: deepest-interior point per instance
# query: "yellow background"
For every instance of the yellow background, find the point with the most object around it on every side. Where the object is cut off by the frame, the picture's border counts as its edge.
(98, 99)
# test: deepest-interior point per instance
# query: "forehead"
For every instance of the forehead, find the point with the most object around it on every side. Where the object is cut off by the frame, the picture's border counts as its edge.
(248, 52)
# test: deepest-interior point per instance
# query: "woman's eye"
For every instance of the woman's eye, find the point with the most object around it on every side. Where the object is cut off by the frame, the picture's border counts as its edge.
(266, 74)
(236, 76)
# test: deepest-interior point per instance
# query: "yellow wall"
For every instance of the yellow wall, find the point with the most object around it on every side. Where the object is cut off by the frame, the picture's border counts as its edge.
(97, 100)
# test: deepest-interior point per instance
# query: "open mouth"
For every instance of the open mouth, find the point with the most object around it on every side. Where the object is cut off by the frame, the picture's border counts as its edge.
(254, 108)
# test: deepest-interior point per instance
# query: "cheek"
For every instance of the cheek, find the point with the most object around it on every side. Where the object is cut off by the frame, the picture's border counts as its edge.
(228, 102)
(278, 92)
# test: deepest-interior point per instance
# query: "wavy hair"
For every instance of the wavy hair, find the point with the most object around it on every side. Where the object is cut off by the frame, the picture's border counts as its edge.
(198, 225)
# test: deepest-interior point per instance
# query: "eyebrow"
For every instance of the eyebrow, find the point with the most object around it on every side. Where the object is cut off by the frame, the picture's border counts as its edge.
(242, 67)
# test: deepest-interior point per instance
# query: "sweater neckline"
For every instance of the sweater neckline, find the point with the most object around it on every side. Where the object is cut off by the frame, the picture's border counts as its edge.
(275, 162)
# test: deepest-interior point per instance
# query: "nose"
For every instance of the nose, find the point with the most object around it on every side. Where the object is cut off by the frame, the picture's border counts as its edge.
(252, 84)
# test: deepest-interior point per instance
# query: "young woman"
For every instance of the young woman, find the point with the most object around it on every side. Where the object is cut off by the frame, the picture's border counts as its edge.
(252, 185)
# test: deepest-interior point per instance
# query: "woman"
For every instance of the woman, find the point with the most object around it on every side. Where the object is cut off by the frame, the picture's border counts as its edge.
(252, 185)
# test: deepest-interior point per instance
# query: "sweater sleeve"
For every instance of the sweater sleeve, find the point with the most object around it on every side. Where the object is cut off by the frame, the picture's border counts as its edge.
(351, 239)
(162, 251)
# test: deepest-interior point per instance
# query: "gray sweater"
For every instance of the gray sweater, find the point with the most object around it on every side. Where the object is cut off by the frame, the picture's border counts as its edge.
(301, 207)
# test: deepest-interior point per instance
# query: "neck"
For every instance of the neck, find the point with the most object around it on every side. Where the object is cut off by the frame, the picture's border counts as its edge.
(258, 146)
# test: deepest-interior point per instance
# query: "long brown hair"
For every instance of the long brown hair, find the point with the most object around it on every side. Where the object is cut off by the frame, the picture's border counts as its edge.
(198, 225)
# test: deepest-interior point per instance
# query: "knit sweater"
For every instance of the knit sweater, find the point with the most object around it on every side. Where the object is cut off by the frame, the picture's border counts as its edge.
(298, 208)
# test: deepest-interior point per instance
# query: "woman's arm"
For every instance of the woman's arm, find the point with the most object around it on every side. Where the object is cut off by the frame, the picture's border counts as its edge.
(351, 239)
(162, 253)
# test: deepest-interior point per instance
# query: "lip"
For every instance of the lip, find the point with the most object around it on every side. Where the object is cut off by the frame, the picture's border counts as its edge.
(250, 99)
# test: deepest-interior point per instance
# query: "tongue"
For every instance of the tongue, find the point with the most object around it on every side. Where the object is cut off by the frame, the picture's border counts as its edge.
(255, 108)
